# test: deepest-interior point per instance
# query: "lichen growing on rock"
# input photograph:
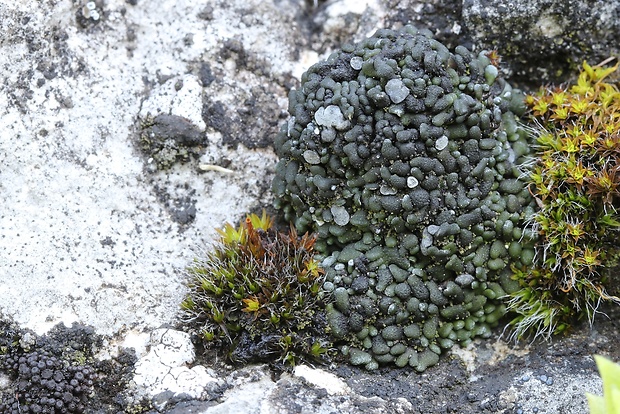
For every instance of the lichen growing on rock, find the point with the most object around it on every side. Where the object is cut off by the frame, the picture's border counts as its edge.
(46, 376)
(402, 156)
(575, 178)
(167, 139)
(257, 295)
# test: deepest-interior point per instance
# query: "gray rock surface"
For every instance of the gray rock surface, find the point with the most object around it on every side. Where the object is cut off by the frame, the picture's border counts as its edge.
(93, 231)
(538, 40)
(545, 40)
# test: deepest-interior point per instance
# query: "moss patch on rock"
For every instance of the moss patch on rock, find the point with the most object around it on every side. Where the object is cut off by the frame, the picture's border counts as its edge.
(257, 295)
(575, 178)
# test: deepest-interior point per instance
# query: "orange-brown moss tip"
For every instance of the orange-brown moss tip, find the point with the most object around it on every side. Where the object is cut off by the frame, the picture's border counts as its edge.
(576, 181)
(257, 295)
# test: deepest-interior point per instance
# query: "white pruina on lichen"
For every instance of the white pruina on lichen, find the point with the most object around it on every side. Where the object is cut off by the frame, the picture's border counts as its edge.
(312, 157)
(441, 143)
(401, 157)
(89, 11)
(330, 116)
(356, 62)
(341, 215)
(412, 182)
(396, 90)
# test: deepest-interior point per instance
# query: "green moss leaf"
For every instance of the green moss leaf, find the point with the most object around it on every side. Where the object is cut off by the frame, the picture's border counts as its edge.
(609, 403)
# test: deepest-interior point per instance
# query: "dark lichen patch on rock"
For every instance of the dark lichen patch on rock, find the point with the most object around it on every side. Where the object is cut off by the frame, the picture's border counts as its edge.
(232, 122)
(49, 57)
(181, 206)
(205, 74)
(167, 139)
(57, 372)
(247, 116)
(48, 375)
(402, 156)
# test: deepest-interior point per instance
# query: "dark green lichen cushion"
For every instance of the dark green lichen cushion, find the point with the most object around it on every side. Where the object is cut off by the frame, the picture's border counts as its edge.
(401, 156)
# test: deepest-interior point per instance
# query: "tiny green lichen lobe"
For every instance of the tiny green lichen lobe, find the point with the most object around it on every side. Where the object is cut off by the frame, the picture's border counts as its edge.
(402, 156)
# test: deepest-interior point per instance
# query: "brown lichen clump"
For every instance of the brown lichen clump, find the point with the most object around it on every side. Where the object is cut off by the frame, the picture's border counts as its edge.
(575, 178)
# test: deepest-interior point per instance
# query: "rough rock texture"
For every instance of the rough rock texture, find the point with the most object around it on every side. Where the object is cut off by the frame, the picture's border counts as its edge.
(82, 218)
(442, 18)
(545, 40)
(539, 41)
(92, 231)
(163, 369)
